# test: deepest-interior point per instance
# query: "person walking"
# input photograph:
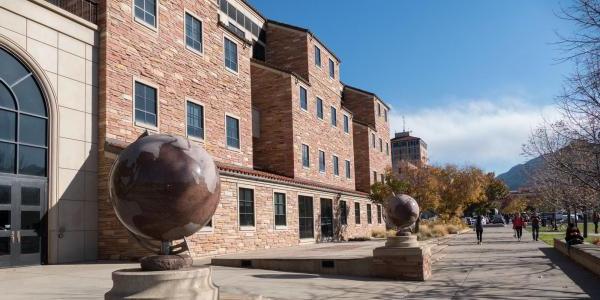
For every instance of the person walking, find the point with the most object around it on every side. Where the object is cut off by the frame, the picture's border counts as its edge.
(479, 229)
(596, 219)
(535, 226)
(518, 224)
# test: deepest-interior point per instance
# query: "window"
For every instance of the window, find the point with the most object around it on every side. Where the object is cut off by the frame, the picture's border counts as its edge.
(373, 139)
(385, 115)
(379, 214)
(279, 209)
(378, 109)
(348, 175)
(305, 156)
(238, 17)
(319, 108)
(346, 124)
(195, 120)
(321, 161)
(333, 116)
(303, 99)
(145, 104)
(317, 56)
(380, 145)
(233, 132)
(374, 176)
(369, 218)
(382, 177)
(231, 59)
(331, 68)
(193, 33)
(23, 124)
(356, 212)
(336, 166)
(246, 207)
(343, 213)
(387, 148)
(145, 11)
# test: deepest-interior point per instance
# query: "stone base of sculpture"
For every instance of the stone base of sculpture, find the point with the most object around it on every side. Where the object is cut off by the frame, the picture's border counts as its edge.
(402, 258)
(192, 283)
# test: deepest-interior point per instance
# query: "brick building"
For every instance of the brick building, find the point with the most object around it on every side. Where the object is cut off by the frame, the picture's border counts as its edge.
(262, 97)
(371, 136)
(408, 151)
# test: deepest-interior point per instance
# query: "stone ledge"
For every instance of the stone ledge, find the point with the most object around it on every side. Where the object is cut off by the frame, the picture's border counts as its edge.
(587, 255)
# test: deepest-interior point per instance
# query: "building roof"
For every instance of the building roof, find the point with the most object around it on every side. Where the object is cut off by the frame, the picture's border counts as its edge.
(368, 93)
(405, 136)
(282, 70)
(269, 21)
(115, 147)
(253, 8)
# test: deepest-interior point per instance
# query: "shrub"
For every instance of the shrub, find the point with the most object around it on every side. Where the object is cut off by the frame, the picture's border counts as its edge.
(391, 232)
(439, 230)
(596, 241)
(378, 233)
(359, 239)
(424, 232)
(453, 229)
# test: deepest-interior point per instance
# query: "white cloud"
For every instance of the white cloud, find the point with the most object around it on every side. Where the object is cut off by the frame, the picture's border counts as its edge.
(486, 133)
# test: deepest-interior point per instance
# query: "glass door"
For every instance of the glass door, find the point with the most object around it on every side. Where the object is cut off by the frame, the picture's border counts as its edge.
(326, 220)
(22, 224)
(305, 213)
(6, 217)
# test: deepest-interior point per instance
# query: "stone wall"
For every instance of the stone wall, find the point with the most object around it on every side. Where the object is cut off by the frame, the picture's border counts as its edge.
(226, 236)
(64, 46)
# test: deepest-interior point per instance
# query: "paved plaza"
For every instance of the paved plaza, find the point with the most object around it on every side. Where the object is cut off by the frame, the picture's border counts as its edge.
(501, 268)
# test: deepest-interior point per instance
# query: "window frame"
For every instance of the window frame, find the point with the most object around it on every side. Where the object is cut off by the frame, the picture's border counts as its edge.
(331, 69)
(380, 145)
(194, 16)
(154, 128)
(324, 170)
(318, 54)
(142, 21)
(374, 176)
(379, 214)
(369, 214)
(240, 226)
(320, 105)
(333, 116)
(373, 142)
(357, 213)
(346, 124)
(307, 155)
(335, 164)
(226, 38)
(348, 168)
(239, 132)
(285, 203)
(195, 138)
(300, 89)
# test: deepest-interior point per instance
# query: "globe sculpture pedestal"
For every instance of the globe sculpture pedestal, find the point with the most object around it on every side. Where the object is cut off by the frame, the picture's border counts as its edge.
(402, 257)
(164, 189)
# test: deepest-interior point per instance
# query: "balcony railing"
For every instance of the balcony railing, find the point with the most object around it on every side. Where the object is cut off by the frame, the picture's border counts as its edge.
(86, 9)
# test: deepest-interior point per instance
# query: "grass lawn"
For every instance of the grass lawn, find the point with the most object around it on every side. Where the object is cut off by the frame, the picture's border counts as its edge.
(563, 227)
(548, 238)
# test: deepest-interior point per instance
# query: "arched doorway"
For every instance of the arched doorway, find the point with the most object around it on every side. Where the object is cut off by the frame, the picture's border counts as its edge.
(23, 164)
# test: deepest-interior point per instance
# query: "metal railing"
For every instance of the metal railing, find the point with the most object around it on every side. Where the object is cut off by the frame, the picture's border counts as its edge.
(86, 9)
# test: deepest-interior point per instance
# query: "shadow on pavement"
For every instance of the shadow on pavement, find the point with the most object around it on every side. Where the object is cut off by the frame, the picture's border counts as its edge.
(586, 280)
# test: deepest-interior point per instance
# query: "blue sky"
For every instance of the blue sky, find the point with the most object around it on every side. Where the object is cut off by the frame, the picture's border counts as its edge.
(471, 77)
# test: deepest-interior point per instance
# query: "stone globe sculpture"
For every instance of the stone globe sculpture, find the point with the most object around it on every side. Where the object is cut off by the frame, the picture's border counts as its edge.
(402, 211)
(163, 188)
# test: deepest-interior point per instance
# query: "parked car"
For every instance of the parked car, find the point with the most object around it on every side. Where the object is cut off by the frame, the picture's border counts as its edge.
(497, 219)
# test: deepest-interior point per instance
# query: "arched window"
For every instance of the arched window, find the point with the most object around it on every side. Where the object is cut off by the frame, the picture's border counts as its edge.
(23, 120)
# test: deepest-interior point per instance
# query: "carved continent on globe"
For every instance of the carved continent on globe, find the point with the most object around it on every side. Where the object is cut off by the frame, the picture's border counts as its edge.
(163, 187)
(402, 211)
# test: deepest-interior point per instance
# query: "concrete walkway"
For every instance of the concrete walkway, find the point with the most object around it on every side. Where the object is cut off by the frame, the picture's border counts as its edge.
(501, 268)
